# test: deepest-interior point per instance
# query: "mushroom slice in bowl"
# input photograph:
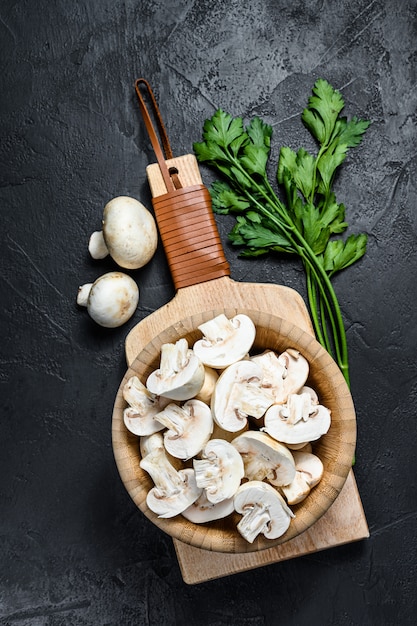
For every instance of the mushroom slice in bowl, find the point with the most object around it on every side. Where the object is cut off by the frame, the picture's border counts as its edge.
(202, 510)
(225, 340)
(174, 490)
(264, 458)
(239, 393)
(284, 374)
(309, 471)
(139, 416)
(180, 375)
(297, 421)
(219, 471)
(264, 511)
(189, 428)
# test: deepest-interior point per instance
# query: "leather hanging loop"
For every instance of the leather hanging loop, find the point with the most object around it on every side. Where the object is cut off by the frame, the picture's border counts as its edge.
(171, 179)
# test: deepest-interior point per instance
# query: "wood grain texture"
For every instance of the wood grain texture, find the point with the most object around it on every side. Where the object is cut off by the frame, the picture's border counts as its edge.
(188, 173)
(222, 292)
(344, 522)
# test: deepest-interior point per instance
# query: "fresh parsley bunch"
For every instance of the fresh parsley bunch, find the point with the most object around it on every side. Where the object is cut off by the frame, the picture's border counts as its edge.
(308, 220)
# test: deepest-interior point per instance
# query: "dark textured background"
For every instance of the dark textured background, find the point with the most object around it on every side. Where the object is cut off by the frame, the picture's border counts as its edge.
(74, 549)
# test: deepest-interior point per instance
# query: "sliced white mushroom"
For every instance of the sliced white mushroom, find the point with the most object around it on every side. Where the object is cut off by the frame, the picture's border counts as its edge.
(174, 491)
(310, 465)
(239, 393)
(284, 374)
(265, 458)
(273, 372)
(309, 471)
(129, 234)
(263, 509)
(210, 378)
(312, 392)
(219, 471)
(139, 416)
(148, 443)
(297, 491)
(188, 428)
(298, 420)
(202, 510)
(180, 375)
(225, 340)
(111, 300)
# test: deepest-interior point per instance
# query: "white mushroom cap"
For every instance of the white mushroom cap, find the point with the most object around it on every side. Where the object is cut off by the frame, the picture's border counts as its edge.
(174, 491)
(202, 510)
(111, 300)
(237, 394)
(189, 428)
(139, 416)
(265, 458)
(225, 341)
(219, 471)
(180, 375)
(310, 465)
(312, 392)
(297, 491)
(309, 471)
(210, 378)
(298, 420)
(264, 511)
(129, 233)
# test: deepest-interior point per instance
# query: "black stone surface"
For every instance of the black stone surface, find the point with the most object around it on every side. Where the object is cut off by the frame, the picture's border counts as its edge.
(74, 549)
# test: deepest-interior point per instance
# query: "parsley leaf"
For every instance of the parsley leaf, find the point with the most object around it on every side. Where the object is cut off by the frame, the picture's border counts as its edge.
(305, 224)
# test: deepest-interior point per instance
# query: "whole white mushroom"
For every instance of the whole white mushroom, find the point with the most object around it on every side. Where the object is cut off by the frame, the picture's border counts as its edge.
(111, 300)
(129, 234)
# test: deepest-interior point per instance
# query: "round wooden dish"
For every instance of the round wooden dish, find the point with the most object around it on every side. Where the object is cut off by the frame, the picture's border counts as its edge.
(335, 449)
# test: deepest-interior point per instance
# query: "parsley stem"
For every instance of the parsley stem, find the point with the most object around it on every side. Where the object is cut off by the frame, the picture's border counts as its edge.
(312, 298)
(328, 296)
(327, 310)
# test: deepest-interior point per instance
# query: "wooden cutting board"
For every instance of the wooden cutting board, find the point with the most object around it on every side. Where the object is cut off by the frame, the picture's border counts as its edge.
(345, 521)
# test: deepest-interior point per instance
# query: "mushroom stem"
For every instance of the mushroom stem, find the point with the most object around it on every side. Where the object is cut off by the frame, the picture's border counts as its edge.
(168, 481)
(218, 328)
(174, 417)
(97, 246)
(138, 396)
(298, 407)
(150, 443)
(83, 293)
(255, 521)
(174, 358)
(206, 471)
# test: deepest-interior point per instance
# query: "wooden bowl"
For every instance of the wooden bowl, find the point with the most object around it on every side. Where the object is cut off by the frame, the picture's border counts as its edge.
(335, 449)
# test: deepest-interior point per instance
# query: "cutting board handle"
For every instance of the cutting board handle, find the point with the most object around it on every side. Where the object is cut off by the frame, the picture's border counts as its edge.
(184, 214)
(190, 237)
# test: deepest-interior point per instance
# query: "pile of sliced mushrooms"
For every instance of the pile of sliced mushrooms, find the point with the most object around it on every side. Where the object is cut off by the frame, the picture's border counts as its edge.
(223, 431)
